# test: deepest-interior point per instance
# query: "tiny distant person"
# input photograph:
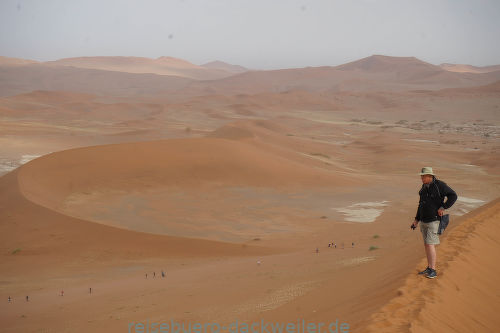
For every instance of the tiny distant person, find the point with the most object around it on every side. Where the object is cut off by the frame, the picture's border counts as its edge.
(162, 273)
(352, 244)
(154, 274)
(335, 245)
(317, 250)
(27, 299)
(431, 207)
(62, 292)
(10, 299)
(90, 290)
(146, 275)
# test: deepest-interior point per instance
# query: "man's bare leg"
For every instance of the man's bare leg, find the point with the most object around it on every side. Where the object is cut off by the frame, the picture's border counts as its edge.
(430, 251)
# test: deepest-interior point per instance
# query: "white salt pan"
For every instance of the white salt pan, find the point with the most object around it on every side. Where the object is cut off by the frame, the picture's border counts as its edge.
(8, 166)
(470, 200)
(463, 205)
(26, 158)
(363, 211)
(421, 140)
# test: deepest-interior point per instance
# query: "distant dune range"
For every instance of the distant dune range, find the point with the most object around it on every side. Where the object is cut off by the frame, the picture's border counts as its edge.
(161, 66)
(119, 76)
(374, 73)
(133, 76)
(22, 79)
(470, 69)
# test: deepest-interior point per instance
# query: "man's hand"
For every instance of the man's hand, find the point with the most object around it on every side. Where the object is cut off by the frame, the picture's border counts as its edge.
(414, 225)
(441, 211)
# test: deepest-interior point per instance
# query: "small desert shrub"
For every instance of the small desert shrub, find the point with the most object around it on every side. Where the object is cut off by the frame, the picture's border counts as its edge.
(16, 251)
(373, 247)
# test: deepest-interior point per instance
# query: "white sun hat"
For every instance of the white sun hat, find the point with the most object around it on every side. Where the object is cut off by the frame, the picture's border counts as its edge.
(426, 171)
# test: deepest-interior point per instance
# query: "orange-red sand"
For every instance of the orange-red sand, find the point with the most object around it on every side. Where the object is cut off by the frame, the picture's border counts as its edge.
(465, 295)
(236, 186)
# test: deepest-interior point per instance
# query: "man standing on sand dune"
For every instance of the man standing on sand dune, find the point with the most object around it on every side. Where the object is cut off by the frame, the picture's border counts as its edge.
(430, 208)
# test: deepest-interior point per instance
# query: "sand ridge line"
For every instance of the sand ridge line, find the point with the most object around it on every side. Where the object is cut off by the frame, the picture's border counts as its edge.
(410, 309)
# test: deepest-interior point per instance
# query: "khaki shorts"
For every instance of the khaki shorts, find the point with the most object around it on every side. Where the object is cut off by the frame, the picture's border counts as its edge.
(430, 232)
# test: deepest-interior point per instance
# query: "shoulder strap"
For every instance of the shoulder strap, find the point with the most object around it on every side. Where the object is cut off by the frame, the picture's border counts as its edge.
(437, 187)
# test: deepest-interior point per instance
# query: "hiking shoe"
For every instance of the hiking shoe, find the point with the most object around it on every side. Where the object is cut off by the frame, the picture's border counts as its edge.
(425, 271)
(432, 274)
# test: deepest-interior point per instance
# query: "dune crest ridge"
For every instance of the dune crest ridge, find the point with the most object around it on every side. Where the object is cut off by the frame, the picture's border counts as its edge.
(464, 297)
(177, 162)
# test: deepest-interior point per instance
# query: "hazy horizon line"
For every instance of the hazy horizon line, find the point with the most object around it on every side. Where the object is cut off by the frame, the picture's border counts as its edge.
(247, 67)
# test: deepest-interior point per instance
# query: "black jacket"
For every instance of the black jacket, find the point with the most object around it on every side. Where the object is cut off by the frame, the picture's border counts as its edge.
(432, 198)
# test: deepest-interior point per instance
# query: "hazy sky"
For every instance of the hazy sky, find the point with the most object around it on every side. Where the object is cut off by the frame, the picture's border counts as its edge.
(259, 34)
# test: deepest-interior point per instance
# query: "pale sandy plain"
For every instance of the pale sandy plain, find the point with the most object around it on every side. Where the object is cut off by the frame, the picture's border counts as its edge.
(229, 179)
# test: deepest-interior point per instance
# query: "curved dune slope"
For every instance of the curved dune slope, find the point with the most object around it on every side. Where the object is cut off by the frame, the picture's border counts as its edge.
(465, 295)
(45, 238)
(205, 187)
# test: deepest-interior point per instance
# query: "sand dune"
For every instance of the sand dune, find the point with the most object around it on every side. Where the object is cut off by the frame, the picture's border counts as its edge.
(137, 185)
(64, 108)
(464, 297)
(373, 73)
(50, 97)
(380, 63)
(490, 89)
(180, 162)
(161, 66)
(45, 236)
(6, 61)
(461, 68)
(225, 66)
(24, 79)
(410, 70)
